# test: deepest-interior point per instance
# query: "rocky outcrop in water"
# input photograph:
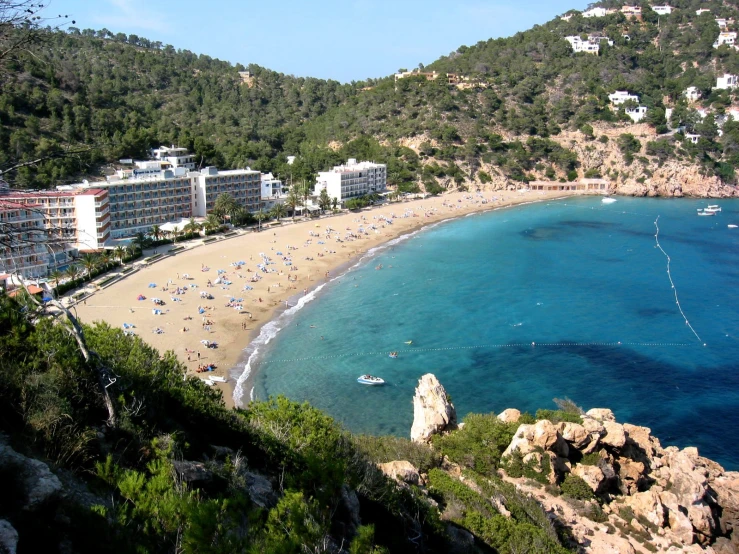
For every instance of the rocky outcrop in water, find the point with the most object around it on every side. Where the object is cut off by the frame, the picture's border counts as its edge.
(432, 411)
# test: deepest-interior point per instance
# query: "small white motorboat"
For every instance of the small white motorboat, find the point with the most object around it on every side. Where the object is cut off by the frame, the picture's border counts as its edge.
(370, 380)
(714, 208)
(730, 226)
(608, 200)
(704, 212)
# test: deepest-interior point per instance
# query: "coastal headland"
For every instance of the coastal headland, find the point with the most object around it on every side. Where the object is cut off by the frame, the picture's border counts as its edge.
(209, 295)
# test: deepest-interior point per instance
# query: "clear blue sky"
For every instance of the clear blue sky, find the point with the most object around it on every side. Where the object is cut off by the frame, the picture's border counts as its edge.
(346, 40)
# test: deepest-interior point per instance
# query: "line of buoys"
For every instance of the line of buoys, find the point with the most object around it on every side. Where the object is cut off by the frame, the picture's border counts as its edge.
(672, 283)
(470, 347)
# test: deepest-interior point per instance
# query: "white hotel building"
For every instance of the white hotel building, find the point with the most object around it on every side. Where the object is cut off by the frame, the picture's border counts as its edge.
(352, 180)
(244, 185)
(22, 235)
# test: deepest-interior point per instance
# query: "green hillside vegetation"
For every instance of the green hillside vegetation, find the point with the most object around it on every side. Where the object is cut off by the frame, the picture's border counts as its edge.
(111, 96)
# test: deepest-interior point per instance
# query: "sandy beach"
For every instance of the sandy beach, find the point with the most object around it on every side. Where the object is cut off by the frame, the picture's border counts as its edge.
(208, 295)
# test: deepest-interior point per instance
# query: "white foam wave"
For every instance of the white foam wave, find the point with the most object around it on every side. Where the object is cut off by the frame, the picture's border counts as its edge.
(266, 334)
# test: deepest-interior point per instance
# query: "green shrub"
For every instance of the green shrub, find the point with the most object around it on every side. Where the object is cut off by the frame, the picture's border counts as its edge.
(592, 459)
(385, 449)
(557, 416)
(574, 487)
(479, 444)
(571, 175)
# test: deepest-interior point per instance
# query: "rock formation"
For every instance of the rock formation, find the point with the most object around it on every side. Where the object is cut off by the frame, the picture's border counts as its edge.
(432, 411)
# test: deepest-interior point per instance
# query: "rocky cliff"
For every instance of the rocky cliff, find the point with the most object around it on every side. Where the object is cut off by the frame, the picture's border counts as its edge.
(645, 497)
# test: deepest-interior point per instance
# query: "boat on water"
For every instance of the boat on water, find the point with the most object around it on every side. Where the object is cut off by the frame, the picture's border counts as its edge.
(714, 208)
(393, 354)
(704, 212)
(370, 380)
(608, 200)
(730, 226)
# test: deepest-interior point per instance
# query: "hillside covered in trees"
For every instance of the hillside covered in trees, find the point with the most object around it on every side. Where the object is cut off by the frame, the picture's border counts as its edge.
(108, 96)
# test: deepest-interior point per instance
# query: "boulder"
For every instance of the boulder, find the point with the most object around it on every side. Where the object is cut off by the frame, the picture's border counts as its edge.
(603, 543)
(38, 484)
(432, 411)
(260, 490)
(601, 414)
(575, 434)
(701, 518)
(631, 475)
(614, 435)
(592, 475)
(350, 509)
(640, 438)
(8, 537)
(522, 441)
(511, 415)
(401, 470)
(192, 472)
(678, 521)
(547, 437)
(560, 466)
(648, 505)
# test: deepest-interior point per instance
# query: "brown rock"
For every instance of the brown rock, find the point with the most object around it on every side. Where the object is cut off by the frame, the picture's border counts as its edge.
(547, 437)
(592, 475)
(701, 518)
(401, 470)
(631, 475)
(522, 441)
(511, 415)
(648, 505)
(726, 488)
(432, 411)
(601, 414)
(614, 436)
(575, 434)
(679, 523)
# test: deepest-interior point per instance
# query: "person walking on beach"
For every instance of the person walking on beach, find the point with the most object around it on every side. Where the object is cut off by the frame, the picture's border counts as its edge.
(198, 355)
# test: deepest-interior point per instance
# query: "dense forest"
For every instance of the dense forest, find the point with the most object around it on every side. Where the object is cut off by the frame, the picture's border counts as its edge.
(100, 96)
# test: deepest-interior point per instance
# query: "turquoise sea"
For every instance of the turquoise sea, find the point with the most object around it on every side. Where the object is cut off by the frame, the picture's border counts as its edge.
(515, 307)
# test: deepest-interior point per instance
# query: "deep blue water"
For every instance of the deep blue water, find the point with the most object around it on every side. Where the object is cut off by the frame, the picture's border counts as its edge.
(575, 278)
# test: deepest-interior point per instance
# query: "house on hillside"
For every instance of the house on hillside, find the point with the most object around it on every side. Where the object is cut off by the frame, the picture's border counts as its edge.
(636, 114)
(580, 45)
(702, 11)
(728, 81)
(596, 39)
(631, 11)
(597, 12)
(722, 24)
(662, 10)
(621, 96)
(728, 38)
(692, 94)
(692, 138)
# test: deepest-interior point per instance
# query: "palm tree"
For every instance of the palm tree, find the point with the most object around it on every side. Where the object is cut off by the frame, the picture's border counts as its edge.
(89, 262)
(211, 222)
(73, 272)
(140, 241)
(225, 206)
(119, 252)
(324, 201)
(156, 231)
(105, 258)
(278, 210)
(293, 200)
(56, 275)
(192, 227)
(334, 202)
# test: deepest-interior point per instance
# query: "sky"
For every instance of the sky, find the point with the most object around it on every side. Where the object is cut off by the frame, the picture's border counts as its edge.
(344, 40)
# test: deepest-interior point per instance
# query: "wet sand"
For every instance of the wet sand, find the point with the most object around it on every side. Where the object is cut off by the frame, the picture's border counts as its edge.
(299, 263)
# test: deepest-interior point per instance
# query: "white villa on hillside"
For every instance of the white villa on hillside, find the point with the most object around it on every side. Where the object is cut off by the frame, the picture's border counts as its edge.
(702, 11)
(636, 114)
(597, 12)
(621, 96)
(580, 45)
(727, 81)
(662, 10)
(631, 11)
(728, 38)
(692, 94)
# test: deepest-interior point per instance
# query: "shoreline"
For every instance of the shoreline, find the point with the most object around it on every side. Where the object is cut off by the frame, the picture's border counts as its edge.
(303, 260)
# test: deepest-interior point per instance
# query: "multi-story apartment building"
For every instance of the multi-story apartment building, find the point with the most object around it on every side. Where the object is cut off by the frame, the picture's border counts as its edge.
(136, 204)
(22, 240)
(74, 219)
(244, 185)
(273, 191)
(352, 180)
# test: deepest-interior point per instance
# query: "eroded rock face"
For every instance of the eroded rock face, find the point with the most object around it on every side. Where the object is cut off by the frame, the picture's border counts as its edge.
(592, 475)
(260, 490)
(614, 435)
(432, 411)
(8, 537)
(601, 414)
(39, 483)
(575, 434)
(401, 470)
